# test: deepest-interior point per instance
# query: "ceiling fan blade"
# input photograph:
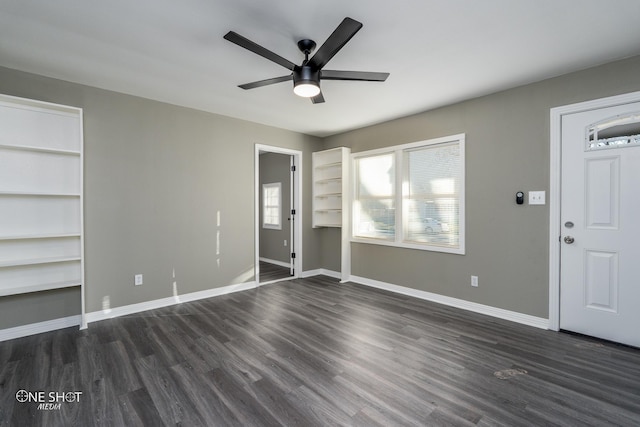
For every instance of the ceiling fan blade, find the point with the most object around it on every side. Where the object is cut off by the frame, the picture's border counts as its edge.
(318, 99)
(266, 82)
(244, 42)
(340, 36)
(366, 76)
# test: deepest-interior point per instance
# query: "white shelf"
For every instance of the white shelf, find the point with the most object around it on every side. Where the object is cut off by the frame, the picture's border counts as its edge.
(329, 165)
(36, 261)
(41, 150)
(37, 194)
(328, 180)
(16, 290)
(41, 236)
(327, 195)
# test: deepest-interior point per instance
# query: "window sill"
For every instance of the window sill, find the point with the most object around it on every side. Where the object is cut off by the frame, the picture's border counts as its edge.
(410, 245)
(272, 227)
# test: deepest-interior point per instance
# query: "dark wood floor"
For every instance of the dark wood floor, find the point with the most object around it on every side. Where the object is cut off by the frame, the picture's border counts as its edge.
(270, 272)
(313, 352)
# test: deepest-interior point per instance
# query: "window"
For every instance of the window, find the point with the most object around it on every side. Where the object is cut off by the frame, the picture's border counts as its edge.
(271, 206)
(375, 213)
(411, 195)
(614, 132)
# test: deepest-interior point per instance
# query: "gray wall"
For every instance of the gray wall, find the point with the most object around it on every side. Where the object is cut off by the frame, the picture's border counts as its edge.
(156, 176)
(507, 149)
(274, 167)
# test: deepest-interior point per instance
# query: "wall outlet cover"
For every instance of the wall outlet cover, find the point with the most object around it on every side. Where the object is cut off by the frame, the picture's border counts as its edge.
(138, 279)
(537, 197)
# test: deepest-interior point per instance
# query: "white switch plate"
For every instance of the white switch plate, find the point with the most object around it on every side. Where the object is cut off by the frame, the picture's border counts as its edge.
(138, 279)
(537, 197)
(474, 281)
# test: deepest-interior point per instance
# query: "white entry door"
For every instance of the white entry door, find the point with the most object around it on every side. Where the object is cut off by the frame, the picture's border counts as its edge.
(600, 223)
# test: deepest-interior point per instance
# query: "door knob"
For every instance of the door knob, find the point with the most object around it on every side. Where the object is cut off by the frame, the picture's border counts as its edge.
(569, 240)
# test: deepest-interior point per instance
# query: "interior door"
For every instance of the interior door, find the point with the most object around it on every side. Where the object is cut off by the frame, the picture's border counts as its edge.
(600, 223)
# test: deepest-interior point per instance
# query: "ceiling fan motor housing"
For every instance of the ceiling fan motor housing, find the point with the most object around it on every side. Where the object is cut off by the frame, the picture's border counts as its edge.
(305, 73)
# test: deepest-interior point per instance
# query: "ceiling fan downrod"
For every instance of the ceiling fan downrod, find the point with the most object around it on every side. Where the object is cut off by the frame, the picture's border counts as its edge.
(306, 46)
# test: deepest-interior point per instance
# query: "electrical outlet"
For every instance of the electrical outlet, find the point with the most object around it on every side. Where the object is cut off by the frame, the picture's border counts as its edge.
(474, 281)
(138, 279)
(536, 197)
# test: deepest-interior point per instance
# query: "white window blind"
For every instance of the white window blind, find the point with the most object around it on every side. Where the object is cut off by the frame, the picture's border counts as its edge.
(411, 195)
(374, 207)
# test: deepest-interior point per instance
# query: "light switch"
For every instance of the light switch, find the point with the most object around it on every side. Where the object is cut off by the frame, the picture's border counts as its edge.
(537, 197)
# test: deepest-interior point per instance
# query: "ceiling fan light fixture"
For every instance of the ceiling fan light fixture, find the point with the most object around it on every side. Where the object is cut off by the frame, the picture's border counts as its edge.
(307, 89)
(306, 82)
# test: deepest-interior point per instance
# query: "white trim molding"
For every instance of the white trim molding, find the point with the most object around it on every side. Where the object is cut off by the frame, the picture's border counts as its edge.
(513, 316)
(321, 272)
(40, 327)
(96, 316)
(296, 194)
(110, 313)
(555, 175)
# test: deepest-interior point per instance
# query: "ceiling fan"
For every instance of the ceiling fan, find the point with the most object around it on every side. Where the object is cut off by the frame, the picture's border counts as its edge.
(306, 77)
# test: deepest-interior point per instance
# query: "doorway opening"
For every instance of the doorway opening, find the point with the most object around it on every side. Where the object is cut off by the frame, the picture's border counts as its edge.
(278, 225)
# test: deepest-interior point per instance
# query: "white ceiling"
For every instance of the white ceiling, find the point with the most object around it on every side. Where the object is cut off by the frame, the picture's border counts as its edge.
(437, 51)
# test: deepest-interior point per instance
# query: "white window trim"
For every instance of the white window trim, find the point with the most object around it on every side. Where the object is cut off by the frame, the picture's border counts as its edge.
(270, 226)
(398, 150)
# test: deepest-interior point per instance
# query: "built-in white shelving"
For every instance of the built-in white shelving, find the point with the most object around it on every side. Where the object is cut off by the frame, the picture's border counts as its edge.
(330, 198)
(329, 186)
(41, 198)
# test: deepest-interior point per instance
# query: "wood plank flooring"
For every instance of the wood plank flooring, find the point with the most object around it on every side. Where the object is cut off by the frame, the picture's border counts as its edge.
(312, 352)
(270, 272)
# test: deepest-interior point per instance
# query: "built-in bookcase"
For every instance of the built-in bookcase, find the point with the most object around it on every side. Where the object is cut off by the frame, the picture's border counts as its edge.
(41, 225)
(331, 198)
(329, 186)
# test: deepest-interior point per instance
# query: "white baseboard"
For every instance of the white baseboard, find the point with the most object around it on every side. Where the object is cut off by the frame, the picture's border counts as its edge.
(38, 328)
(321, 272)
(96, 316)
(65, 322)
(275, 262)
(513, 316)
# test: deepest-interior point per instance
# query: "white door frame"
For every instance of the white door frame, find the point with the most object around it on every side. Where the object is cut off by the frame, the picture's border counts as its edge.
(297, 205)
(555, 190)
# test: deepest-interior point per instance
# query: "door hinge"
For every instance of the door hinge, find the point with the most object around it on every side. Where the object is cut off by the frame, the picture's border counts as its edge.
(293, 255)
(293, 168)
